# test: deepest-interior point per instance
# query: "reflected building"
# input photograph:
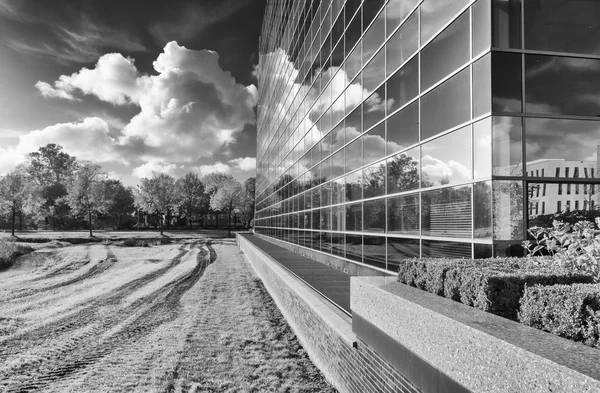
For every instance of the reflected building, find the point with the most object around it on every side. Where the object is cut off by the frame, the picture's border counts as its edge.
(414, 128)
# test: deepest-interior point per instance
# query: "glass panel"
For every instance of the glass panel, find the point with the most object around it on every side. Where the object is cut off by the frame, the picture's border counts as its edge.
(447, 160)
(374, 72)
(375, 36)
(338, 191)
(436, 13)
(482, 208)
(446, 53)
(403, 128)
(506, 23)
(403, 86)
(374, 108)
(507, 202)
(326, 242)
(562, 148)
(440, 249)
(507, 149)
(482, 26)
(482, 251)
(506, 82)
(354, 247)
(374, 144)
(447, 212)
(354, 62)
(482, 86)
(403, 214)
(353, 122)
(338, 218)
(374, 215)
(353, 155)
(400, 249)
(447, 105)
(373, 180)
(325, 195)
(402, 44)
(338, 244)
(396, 11)
(562, 85)
(563, 26)
(482, 148)
(403, 171)
(354, 186)
(326, 219)
(374, 251)
(353, 31)
(316, 240)
(354, 217)
(315, 219)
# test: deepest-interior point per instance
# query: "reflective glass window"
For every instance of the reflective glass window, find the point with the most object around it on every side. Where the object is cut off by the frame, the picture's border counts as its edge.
(373, 179)
(442, 249)
(403, 128)
(562, 26)
(326, 242)
(482, 210)
(507, 149)
(338, 218)
(446, 53)
(403, 171)
(553, 145)
(403, 86)
(326, 219)
(402, 44)
(353, 155)
(353, 62)
(398, 250)
(374, 72)
(436, 13)
(506, 23)
(354, 186)
(482, 148)
(482, 86)
(337, 164)
(508, 207)
(354, 217)
(374, 108)
(315, 218)
(354, 247)
(338, 191)
(338, 244)
(374, 215)
(352, 33)
(396, 11)
(375, 35)
(374, 251)
(325, 195)
(374, 144)
(506, 82)
(447, 159)
(446, 106)
(447, 212)
(338, 136)
(562, 85)
(403, 214)
(482, 26)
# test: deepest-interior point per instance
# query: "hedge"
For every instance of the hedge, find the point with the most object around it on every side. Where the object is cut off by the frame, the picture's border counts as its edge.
(570, 311)
(10, 251)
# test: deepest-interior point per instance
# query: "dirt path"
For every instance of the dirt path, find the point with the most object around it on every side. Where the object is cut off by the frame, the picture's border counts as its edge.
(174, 318)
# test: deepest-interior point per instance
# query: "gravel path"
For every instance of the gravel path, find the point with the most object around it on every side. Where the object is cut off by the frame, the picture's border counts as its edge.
(188, 317)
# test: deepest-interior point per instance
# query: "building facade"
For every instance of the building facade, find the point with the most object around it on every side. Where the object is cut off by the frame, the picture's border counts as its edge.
(416, 128)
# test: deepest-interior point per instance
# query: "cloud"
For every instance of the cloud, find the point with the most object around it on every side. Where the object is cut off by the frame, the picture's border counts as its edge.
(50, 92)
(216, 167)
(244, 164)
(159, 166)
(437, 169)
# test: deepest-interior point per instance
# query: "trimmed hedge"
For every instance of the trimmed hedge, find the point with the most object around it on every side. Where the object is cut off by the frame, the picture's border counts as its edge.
(570, 311)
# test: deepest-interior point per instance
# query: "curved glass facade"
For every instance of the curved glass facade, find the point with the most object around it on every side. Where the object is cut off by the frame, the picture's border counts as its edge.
(407, 128)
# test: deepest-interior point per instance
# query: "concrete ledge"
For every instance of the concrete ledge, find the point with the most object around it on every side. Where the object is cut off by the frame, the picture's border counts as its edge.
(480, 351)
(348, 267)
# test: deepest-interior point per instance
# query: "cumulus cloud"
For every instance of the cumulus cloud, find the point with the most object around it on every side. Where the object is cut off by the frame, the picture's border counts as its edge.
(216, 167)
(159, 166)
(51, 92)
(244, 164)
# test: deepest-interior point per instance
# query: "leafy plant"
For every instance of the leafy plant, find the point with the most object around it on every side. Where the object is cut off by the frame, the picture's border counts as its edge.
(572, 246)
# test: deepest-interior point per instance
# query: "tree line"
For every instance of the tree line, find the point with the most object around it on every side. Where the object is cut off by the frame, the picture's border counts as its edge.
(55, 190)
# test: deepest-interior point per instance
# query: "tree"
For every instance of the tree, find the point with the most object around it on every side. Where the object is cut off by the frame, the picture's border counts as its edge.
(120, 200)
(158, 194)
(192, 197)
(14, 191)
(248, 200)
(87, 193)
(226, 194)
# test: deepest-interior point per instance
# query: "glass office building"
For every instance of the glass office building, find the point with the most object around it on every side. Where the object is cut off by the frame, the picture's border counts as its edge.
(407, 128)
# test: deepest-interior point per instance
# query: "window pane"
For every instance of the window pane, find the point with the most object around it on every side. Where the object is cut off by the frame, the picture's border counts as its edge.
(374, 251)
(482, 26)
(482, 86)
(446, 53)
(337, 164)
(482, 148)
(403, 128)
(506, 82)
(403, 86)
(373, 179)
(556, 145)
(338, 218)
(374, 144)
(400, 249)
(396, 11)
(447, 160)
(374, 215)
(354, 217)
(354, 247)
(326, 242)
(447, 105)
(507, 202)
(436, 13)
(507, 149)
(353, 155)
(403, 214)
(506, 23)
(374, 72)
(374, 108)
(354, 186)
(353, 31)
(375, 35)
(402, 44)
(403, 171)
(338, 244)
(562, 85)
(440, 249)
(447, 212)
(563, 26)
(338, 191)
(482, 209)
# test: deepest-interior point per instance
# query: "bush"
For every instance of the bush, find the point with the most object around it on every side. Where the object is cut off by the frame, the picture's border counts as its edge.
(570, 311)
(9, 252)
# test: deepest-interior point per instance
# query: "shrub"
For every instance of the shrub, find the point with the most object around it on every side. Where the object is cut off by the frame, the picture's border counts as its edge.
(570, 311)
(9, 252)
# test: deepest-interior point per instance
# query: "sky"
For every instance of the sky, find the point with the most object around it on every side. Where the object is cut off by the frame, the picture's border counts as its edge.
(134, 85)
